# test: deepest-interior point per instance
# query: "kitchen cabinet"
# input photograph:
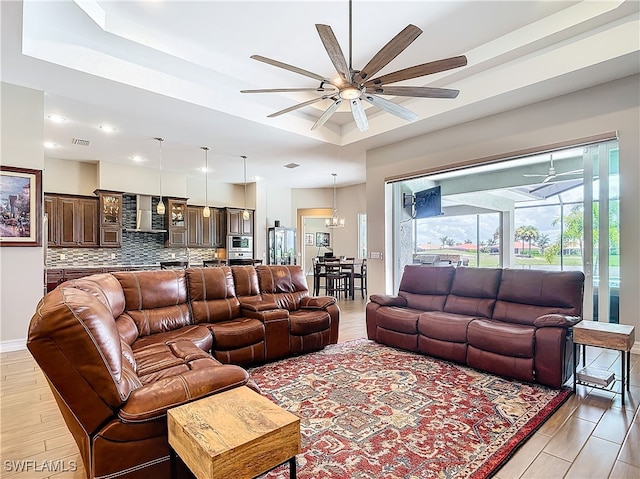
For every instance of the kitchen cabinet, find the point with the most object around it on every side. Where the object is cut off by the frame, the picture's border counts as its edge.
(110, 218)
(205, 232)
(236, 225)
(72, 221)
(176, 222)
(50, 204)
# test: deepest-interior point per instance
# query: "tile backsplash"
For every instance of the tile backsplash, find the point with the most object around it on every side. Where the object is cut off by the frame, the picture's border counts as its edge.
(138, 249)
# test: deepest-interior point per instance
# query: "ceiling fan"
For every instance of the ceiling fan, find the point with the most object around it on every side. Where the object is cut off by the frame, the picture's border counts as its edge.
(552, 173)
(353, 86)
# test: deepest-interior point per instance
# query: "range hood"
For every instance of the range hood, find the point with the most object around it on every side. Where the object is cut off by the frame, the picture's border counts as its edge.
(143, 216)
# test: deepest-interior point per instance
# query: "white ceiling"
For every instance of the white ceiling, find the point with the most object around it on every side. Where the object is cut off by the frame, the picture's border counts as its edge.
(175, 69)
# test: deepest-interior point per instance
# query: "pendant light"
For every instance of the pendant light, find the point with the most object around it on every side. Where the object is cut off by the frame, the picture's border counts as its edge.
(206, 211)
(245, 213)
(334, 221)
(160, 208)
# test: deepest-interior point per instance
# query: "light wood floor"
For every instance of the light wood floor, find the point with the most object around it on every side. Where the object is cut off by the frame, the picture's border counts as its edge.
(590, 436)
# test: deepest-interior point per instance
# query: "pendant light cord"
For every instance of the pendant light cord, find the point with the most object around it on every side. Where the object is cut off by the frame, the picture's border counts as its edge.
(350, 39)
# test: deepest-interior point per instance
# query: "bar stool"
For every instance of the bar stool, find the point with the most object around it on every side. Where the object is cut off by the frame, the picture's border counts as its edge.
(174, 264)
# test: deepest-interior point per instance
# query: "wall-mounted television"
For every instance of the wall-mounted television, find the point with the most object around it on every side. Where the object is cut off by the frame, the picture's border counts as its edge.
(428, 203)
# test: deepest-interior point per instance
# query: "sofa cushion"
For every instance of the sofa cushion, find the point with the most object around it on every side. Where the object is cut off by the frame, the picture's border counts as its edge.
(473, 291)
(509, 366)
(513, 340)
(196, 334)
(282, 285)
(236, 333)
(424, 287)
(444, 326)
(401, 320)
(156, 300)
(245, 279)
(212, 294)
(105, 287)
(305, 321)
(524, 295)
(426, 280)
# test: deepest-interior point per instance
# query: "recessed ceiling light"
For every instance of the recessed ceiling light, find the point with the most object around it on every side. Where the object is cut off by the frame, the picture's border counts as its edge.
(50, 144)
(137, 158)
(107, 128)
(57, 118)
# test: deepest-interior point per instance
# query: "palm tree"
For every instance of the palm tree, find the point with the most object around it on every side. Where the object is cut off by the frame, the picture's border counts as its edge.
(444, 240)
(542, 242)
(527, 233)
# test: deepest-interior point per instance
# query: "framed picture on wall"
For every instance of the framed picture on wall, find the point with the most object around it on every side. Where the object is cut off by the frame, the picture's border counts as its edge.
(323, 239)
(20, 207)
(308, 239)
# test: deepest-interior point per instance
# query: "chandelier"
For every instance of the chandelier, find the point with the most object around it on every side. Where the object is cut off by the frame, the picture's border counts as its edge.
(334, 221)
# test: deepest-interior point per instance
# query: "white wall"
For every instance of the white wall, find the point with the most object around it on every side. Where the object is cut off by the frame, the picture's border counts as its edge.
(21, 268)
(605, 108)
(70, 177)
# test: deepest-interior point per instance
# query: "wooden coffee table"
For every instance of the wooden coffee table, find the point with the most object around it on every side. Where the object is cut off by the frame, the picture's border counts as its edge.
(233, 435)
(619, 337)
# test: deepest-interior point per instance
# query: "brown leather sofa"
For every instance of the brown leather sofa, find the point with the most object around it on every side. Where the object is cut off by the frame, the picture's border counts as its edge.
(514, 323)
(119, 349)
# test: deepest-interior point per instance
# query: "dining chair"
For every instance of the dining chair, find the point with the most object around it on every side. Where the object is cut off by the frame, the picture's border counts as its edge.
(319, 273)
(336, 280)
(361, 274)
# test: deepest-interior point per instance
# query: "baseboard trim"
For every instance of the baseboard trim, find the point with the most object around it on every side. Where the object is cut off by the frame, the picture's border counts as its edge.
(13, 345)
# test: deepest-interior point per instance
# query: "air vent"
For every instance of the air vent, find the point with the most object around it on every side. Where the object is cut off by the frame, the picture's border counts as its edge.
(81, 142)
(291, 165)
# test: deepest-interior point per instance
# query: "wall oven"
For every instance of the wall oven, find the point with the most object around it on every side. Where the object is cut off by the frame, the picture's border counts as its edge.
(240, 244)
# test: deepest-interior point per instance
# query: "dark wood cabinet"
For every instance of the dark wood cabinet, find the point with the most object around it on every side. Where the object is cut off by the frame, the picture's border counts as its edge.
(176, 222)
(205, 232)
(50, 204)
(72, 221)
(110, 218)
(236, 224)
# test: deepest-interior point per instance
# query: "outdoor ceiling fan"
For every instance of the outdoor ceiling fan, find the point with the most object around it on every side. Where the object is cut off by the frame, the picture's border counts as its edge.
(552, 173)
(353, 86)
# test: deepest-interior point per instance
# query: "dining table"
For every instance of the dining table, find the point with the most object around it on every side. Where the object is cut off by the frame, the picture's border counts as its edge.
(346, 266)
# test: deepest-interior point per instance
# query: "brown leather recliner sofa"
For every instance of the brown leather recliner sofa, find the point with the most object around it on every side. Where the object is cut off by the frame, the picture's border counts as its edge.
(514, 323)
(120, 349)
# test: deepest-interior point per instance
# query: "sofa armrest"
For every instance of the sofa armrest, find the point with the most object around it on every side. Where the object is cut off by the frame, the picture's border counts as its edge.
(388, 300)
(152, 400)
(317, 302)
(272, 314)
(261, 306)
(556, 320)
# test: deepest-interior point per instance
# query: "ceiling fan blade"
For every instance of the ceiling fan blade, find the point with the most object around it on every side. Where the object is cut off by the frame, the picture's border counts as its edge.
(359, 115)
(299, 105)
(531, 175)
(327, 114)
(549, 178)
(390, 107)
(283, 90)
(291, 68)
(418, 91)
(387, 53)
(419, 70)
(572, 172)
(333, 49)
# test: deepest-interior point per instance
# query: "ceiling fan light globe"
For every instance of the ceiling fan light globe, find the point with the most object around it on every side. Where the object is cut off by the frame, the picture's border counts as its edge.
(349, 93)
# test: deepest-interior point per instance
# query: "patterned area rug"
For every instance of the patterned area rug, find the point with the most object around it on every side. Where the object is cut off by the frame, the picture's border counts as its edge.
(369, 411)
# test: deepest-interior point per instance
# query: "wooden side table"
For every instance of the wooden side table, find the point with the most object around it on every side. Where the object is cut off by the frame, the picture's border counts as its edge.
(619, 337)
(234, 434)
